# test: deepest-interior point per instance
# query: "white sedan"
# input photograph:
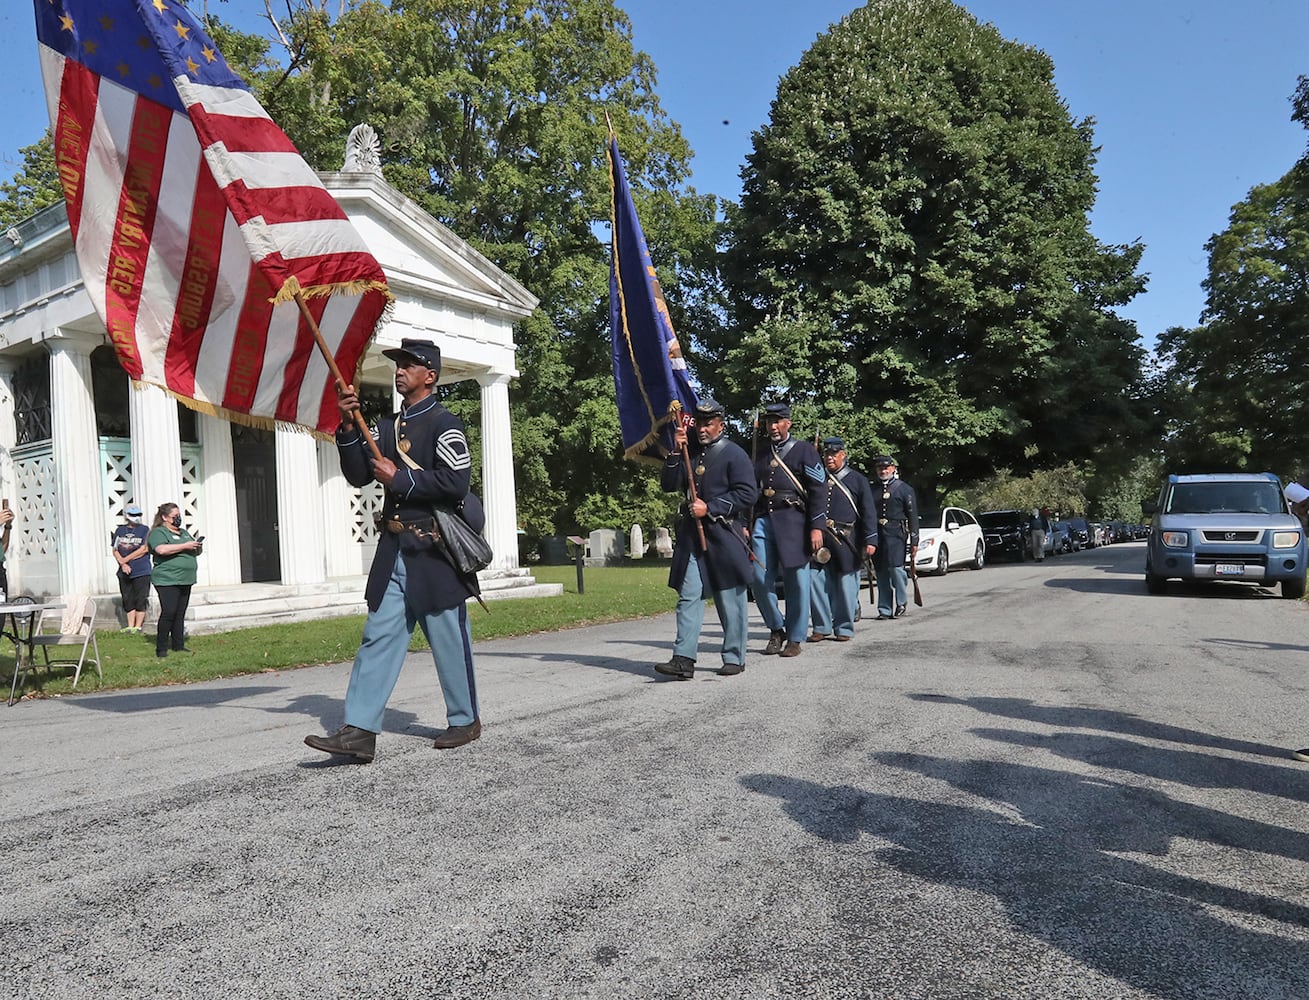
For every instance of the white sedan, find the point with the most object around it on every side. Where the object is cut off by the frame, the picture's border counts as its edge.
(948, 537)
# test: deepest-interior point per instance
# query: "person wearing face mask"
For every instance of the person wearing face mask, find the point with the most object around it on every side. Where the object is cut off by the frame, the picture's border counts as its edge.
(897, 529)
(132, 554)
(724, 495)
(174, 551)
(789, 519)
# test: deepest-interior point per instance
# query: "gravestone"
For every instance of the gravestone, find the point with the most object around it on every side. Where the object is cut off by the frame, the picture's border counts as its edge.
(663, 543)
(636, 542)
(606, 547)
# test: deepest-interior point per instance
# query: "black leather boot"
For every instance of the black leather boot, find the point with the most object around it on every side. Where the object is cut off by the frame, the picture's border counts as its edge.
(681, 667)
(348, 741)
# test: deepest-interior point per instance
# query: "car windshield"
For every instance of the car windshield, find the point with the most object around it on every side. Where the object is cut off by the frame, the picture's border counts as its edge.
(930, 518)
(1001, 519)
(1224, 498)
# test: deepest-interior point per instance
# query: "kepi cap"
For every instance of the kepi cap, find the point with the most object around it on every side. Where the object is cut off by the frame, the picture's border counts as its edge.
(777, 411)
(424, 351)
(831, 445)
(132, 509)
(708, 408)
(883, 461)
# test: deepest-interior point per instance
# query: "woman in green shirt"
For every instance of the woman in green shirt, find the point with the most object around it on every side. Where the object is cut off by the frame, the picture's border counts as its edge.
(174, 552)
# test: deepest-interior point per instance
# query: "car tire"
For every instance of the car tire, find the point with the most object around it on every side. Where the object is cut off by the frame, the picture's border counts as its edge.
(1156, 584)
(1293, 589)
(979, 556)
(943, 562)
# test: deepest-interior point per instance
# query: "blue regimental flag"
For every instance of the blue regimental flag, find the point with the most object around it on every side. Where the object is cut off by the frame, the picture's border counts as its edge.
(650, 377)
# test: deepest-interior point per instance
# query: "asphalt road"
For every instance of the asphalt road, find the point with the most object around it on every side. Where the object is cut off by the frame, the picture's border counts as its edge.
(1044, 783)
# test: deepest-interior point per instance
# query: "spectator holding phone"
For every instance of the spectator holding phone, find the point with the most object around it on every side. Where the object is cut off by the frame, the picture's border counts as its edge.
(6, 519)
(174, 550)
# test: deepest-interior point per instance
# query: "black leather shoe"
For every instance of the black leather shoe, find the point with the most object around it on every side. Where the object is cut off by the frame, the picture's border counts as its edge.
(731, 669)
(884, 618)
(681, 667)
(776, 640)
(791, 649)
(901, 610)
(457, 736)
(348, 741)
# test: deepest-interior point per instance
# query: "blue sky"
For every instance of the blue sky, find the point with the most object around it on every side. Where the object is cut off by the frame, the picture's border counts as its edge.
(1190, 99)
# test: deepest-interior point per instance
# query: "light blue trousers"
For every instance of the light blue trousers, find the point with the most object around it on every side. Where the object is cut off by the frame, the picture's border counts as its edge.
(732, 611)
(795, 584)
(891, 581)
(385, 645)
(833, 600)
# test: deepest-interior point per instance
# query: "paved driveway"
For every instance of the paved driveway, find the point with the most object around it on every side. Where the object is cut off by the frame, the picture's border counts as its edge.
(1042, 784)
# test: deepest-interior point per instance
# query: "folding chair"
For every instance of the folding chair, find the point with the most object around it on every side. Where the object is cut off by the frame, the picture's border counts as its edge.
(76, 629)
(24, 624)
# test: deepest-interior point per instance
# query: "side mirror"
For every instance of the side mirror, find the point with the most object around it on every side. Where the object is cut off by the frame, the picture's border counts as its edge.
(1149, 506)
(952, 526)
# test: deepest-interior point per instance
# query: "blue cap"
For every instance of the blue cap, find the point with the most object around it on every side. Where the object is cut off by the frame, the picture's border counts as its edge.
(778, 411)
(132, 509)
(708, 408)
(833, 445)
(883, 461)
(422, 351)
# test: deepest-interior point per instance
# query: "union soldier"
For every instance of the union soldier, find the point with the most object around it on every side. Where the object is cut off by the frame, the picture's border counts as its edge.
(425, 463)
(849, 534)
(897, 531)
(788, 525)
(725, 491)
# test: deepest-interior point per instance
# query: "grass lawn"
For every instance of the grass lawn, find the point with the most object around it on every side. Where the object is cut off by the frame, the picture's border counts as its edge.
(613, 593)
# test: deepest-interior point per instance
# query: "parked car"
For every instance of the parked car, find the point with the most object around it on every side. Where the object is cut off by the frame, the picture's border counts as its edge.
(1005, 532)
(1079, 533)
(1064, 541)
(950, 534)
(1225, 526)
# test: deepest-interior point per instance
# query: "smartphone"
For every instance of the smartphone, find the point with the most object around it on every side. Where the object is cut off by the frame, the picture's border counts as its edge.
(4, 504)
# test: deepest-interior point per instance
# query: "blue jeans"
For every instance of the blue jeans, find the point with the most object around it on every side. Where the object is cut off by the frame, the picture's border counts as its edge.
(732, 615)
(795, 585)
(385, 645)
(833, 600)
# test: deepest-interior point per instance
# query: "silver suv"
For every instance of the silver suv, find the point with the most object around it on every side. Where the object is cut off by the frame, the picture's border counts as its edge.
(1225, 526)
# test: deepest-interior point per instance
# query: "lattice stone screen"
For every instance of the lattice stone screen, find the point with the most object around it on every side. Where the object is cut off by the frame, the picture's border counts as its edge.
(116, 469)
(363, 505)
(36, 531)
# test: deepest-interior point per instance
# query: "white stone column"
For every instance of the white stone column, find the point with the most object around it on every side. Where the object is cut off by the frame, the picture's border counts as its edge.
(156, 449)
(344, 554)
(84, 567)
(498, 471)
(299, 508)
(220, 565)
(8, 433)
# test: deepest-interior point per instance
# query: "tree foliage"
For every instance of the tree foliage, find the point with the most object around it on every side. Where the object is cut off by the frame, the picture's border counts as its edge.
(1236, 388)
(34, 185)
(911, 259)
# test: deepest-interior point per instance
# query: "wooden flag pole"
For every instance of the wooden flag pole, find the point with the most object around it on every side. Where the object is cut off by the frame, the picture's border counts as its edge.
(341, 384)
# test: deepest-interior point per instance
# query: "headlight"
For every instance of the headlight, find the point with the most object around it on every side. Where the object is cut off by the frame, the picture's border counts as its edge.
(1176, 539)
(926, 544)
(1286, 539)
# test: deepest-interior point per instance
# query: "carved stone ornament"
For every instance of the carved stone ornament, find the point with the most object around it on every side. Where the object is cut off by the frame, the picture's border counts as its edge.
(363, 151)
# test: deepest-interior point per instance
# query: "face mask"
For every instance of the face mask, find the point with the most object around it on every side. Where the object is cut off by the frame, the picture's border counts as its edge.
(176, 520)
(133, 519)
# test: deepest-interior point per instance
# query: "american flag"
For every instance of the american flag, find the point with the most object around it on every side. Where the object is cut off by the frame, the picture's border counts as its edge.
(196, 221)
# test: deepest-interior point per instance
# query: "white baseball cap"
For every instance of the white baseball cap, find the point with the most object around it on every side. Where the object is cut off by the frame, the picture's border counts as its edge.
(1296, 493)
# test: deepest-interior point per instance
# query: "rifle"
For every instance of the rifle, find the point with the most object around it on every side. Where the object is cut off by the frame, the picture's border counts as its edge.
(913, 575)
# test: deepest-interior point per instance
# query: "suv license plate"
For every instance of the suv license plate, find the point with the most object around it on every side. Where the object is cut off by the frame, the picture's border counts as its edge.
(1229, 569)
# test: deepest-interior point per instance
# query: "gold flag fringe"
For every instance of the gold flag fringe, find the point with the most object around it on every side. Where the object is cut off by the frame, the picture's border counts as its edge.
(235, 416)
(291, 287)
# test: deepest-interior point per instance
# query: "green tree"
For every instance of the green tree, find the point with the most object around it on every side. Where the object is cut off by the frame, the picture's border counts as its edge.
(493, 119)
(34, 185)
(911, 257)
(1235, 388)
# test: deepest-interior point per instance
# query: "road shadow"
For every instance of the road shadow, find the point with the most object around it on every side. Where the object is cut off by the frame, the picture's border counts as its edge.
(1055, 874)
(1185, 767)
(1103, 719)
(179, 696)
